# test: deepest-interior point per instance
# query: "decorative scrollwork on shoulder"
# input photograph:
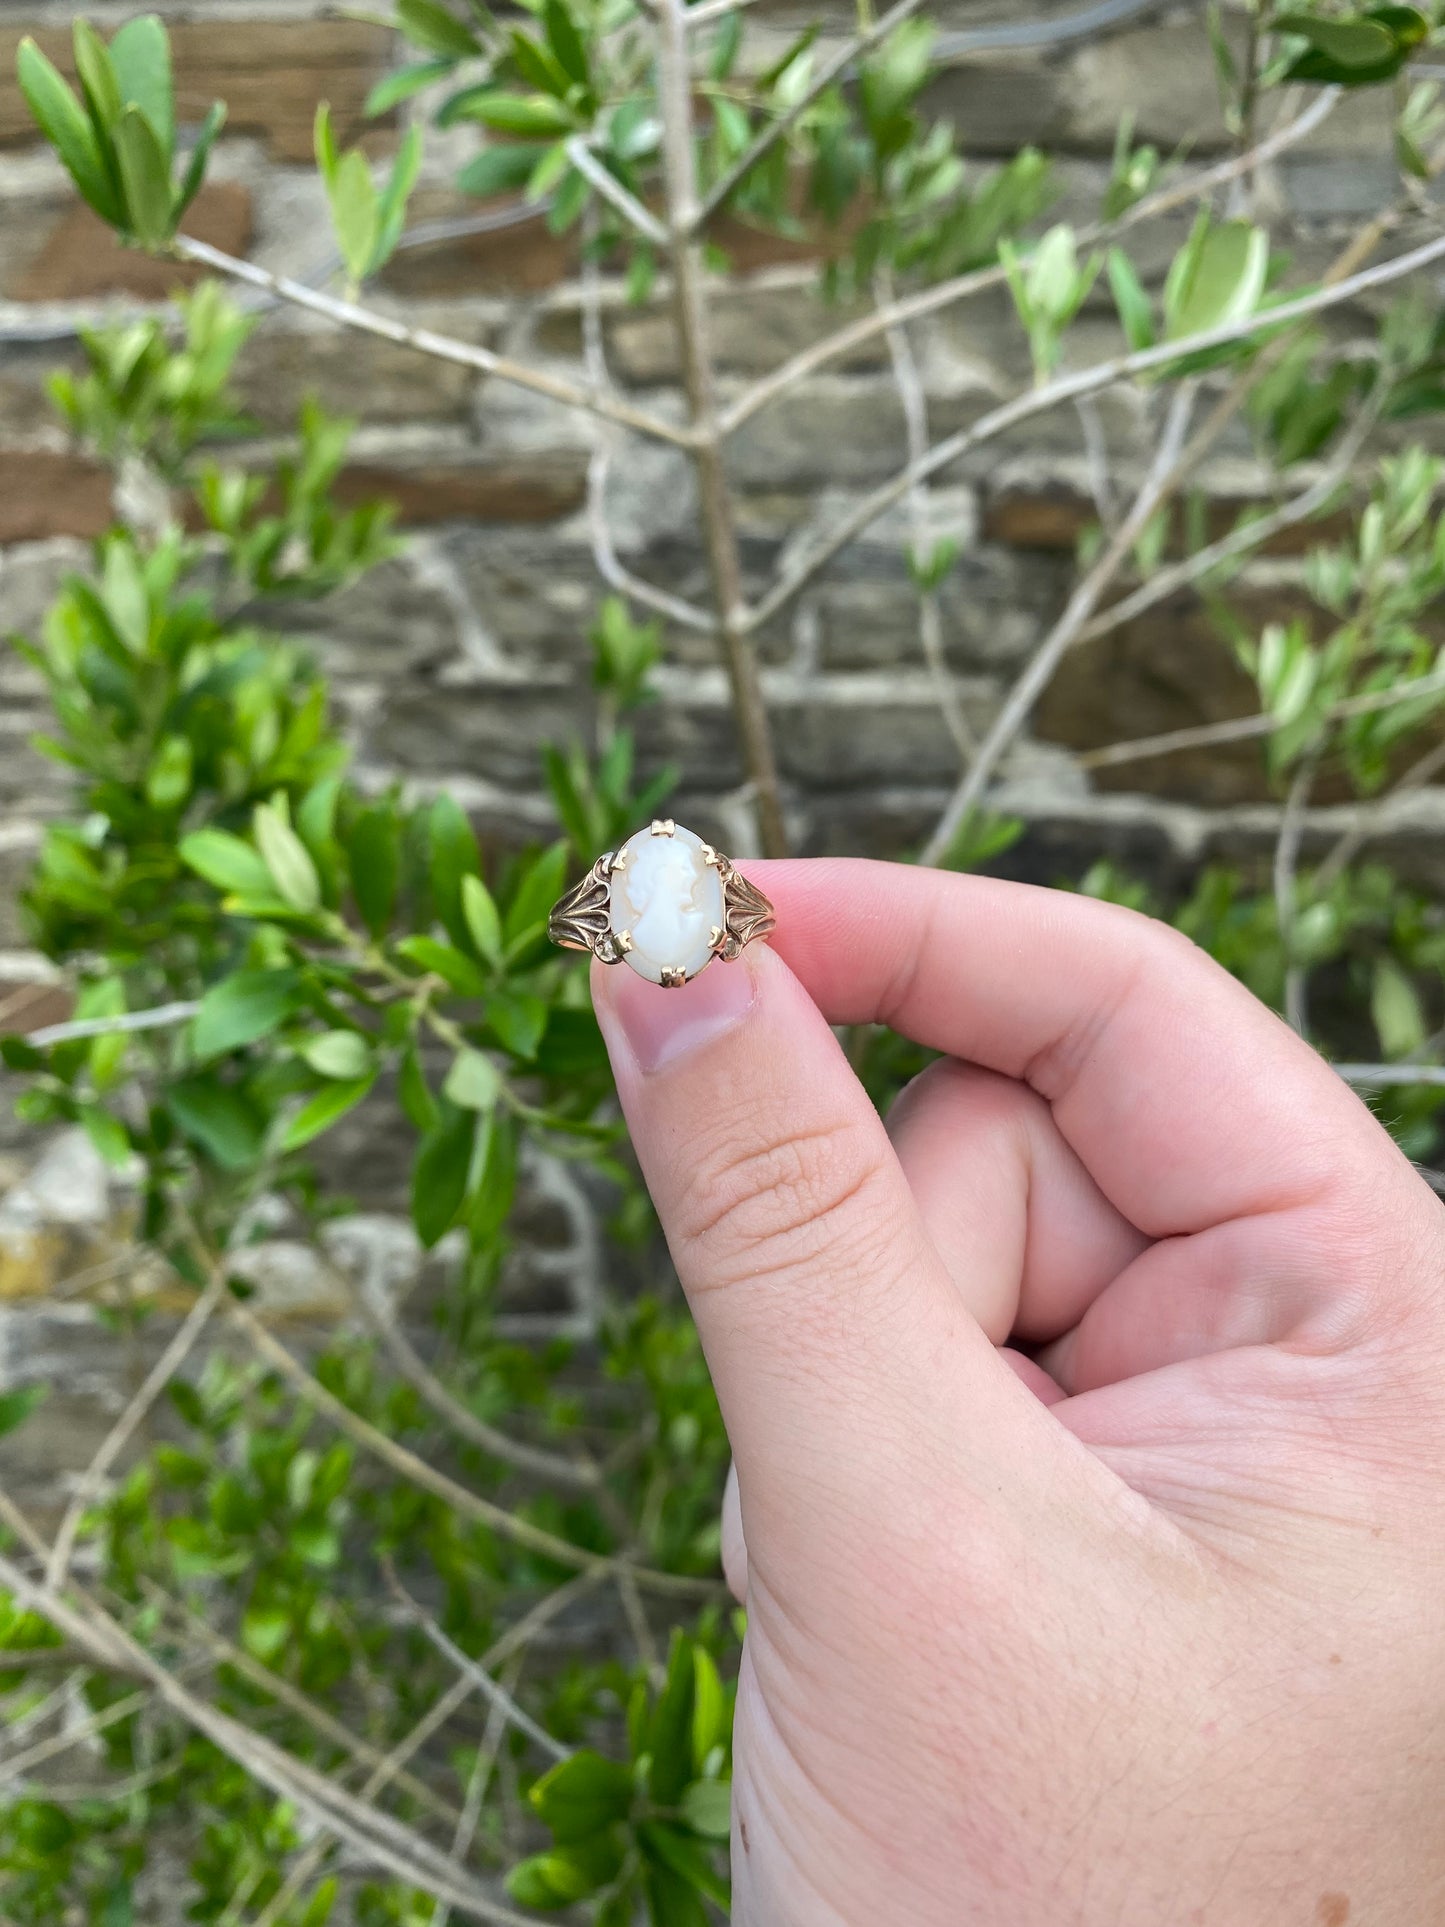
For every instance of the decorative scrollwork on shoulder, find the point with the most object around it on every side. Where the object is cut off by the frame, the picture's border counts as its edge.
(582, 920)
(747, 914)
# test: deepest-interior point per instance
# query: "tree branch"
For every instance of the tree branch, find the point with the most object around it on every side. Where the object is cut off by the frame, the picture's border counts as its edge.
(1061, 638)
(851, 50)
(679, 164)
(611, 189)
(915, 307)
(441, 347)
(156, 1380)
(1086, 381)
(162, 1017)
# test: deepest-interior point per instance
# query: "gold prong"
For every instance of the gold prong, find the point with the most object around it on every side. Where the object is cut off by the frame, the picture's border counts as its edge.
(710, 855)
(716, 936)
(618, 862)
(673, 978)
(623, 940)
(663, 826)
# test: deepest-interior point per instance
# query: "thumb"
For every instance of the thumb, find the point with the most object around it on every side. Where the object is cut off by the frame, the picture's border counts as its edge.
(843, 1355)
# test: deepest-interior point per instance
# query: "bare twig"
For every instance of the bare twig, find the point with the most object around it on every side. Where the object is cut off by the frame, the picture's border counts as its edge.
(609, 566)
(376, 1837)
(1284, 873)
(347, 314)
(831, 70)
(914, 403)
(479, 1675)
(1379, 1077)
(121, 1433)
(915, 307)
(1068, 388)
(471, 1504)
(1061, 638)
(162, 1017)
(482, 1768)
(612, 190)
(1354, 839)
(551, 1467)
(1239, 729)
(679, 161)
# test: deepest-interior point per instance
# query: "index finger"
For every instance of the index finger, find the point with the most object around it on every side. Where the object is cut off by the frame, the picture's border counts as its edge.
(1190, 1102)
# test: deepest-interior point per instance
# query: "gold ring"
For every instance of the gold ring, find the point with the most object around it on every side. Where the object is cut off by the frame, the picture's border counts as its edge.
(666, 903)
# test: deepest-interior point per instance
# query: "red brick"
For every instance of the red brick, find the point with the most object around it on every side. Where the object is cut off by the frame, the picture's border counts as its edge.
(80, 258)
(45, 493)
(270, 73)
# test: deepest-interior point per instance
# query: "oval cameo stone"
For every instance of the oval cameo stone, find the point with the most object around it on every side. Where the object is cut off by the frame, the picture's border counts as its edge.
(668, 901)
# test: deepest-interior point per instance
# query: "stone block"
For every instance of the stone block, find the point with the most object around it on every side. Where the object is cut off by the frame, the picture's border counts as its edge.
(80, 258)
(271, 73)
(831, 431)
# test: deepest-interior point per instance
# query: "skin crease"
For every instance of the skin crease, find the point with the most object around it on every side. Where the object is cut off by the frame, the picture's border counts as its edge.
(1088, 1423)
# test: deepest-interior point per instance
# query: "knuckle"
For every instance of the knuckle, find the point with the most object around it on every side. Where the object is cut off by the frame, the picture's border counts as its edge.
(772, 1203)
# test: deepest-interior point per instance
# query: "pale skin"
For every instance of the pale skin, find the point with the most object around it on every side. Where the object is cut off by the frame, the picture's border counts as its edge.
(1088, 1421)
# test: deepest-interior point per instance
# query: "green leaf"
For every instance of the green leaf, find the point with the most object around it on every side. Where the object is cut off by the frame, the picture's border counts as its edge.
(227, 862)
(393, 89)
(16, 1406)
(518, 1020)
(439, 1182)
(265, 1630)
(242, 1008)
(567, 1874)
(672, 1899)
(709, 1707)
(583, 1795)
(414, 1094)
(355, 212)
(500, 168)
(324, 1109)
(452, 855)
(1395, 1008)
(391, 212)
(429, 25)
(537, 65)
(670, 1732)
(525, 923)
(146, 178)
(68, 128)
(482, 919)
(288, 860)
(473, 1082)
(219, 1119)
(168, 780)
(1217, 278)
(324, 140)
(343, 1054)
(1136, 311)
(97, 78)
(522, 114)
(441, 960)
(706, 1806)
(196, 167)
(107, 1134)
(1350, 43)
(127, 601)
(566, 43)
(374, 854)
(141, 56)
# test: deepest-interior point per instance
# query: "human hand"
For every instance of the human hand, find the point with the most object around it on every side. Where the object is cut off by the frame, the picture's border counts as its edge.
(1148, 1632)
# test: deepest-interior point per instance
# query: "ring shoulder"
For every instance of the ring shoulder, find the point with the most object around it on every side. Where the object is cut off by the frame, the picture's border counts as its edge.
(582, 920)
(747, 913)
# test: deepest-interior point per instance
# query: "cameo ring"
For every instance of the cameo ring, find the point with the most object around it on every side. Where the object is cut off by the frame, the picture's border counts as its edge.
(666, 903)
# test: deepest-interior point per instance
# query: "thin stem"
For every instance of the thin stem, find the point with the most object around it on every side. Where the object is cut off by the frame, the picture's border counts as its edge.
(1065, 632)
(612, 190)
(851, 50)
(914, 402)
(1284, 874)
(1348, 846)
(927, 301)
(441, 347)
(1239, 729)
(1379, 1077)
(715, 501)
(162, 1017)
(156, 1380)
(1086, 381)
(471, 1669)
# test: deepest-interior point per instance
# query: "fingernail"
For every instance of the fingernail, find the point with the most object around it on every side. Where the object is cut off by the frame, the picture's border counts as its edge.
(661, 1026)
